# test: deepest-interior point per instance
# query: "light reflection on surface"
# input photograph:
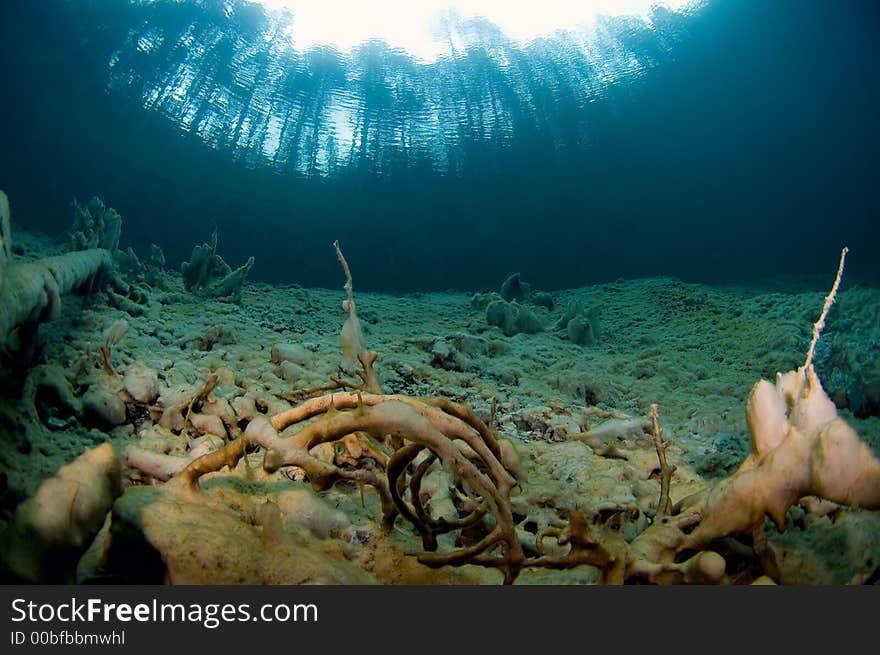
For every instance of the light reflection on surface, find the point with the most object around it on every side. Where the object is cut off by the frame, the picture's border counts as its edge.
(419, 28)
(244, 81)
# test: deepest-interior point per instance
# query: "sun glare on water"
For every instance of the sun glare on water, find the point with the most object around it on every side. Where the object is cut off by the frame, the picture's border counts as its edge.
(415, 25)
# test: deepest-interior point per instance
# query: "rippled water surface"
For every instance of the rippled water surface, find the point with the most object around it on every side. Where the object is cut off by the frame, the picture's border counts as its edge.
(230, 73)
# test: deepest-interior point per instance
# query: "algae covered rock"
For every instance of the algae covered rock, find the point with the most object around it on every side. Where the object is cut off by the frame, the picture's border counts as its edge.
(207, 274)
(55, 526)
(513, 318)
(95, 226)
(103, 407)
(578, 324)
(157, 537)
(513, 289)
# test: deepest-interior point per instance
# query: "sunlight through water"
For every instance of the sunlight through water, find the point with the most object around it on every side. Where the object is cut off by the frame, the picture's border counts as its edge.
(418, 27)
(319, 87)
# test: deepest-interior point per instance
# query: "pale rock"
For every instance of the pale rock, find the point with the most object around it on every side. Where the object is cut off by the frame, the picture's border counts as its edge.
(141, 383)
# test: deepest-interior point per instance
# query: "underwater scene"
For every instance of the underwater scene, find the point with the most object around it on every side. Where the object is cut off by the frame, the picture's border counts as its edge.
(440, 293)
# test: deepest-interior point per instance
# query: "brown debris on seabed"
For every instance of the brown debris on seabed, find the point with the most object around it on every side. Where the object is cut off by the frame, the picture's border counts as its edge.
(249, 455)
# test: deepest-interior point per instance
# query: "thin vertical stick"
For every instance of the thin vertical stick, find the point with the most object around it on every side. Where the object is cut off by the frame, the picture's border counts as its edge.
(348, 284)
(664, 504)
(829, 300)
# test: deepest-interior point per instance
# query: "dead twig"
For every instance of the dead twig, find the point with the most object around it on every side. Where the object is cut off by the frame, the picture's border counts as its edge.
(664, 504)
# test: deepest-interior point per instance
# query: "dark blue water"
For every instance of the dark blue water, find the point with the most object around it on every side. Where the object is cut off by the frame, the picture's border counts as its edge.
(735, 142)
